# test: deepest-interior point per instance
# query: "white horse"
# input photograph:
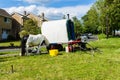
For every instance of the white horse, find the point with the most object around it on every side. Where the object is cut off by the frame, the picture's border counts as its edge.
(36, 40)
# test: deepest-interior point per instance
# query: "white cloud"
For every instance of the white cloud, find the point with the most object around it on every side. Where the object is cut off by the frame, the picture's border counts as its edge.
(21, 9)
(52, 13)
(36, 1)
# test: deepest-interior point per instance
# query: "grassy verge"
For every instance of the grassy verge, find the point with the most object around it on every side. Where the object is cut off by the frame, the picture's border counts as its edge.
(15, 43)
(67, 66)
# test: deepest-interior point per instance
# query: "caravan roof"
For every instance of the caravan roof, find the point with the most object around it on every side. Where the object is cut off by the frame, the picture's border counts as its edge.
(56, 31)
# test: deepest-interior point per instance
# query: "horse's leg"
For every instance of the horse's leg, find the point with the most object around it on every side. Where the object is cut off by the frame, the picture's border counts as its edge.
(27, 46)
(47, 45)
(38, 49)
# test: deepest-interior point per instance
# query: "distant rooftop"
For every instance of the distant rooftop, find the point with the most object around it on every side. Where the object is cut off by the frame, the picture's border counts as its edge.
(4, 13)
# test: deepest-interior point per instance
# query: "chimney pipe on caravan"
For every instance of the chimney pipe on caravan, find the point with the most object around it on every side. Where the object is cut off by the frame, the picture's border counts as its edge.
(68, 16)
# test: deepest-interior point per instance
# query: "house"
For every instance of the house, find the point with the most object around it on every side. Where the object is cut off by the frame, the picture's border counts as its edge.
(5, 24)
(17, 24)
(40, 18)
(18, 20)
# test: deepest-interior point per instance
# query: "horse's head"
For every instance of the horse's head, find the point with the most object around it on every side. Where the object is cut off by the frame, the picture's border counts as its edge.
(24, 39)
(23, 44)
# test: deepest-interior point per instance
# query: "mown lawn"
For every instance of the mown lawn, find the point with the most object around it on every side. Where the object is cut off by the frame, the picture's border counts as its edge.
(16, 43)
(67, 66)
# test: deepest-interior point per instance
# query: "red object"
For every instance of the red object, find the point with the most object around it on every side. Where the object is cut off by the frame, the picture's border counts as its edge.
(70, 48)
(74, 42)
(70, 45)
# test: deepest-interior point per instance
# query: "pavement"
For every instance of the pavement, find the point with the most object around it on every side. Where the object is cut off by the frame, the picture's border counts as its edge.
(93, 38)
(9, 55)
(7, 50)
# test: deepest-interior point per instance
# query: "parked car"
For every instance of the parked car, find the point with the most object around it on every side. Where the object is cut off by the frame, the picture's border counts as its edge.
(84, 38)
(88, 35)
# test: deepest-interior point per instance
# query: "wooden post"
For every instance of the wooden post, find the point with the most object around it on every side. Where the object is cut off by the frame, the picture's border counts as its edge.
(12, 70)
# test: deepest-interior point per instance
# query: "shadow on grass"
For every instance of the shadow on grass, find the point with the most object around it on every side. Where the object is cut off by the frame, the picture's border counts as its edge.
(3, 53)
(45, 53)
(2, 59)
(7, 57)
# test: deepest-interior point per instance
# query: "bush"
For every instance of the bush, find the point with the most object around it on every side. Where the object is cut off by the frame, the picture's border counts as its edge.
(101, 36)
(23, 33)
(11, 44)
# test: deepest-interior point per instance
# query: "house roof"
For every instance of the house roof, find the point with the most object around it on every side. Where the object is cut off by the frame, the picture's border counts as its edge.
(16, 13)
(4, 13)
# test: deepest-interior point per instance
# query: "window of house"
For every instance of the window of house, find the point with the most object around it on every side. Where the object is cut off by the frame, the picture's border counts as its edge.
(7, 20)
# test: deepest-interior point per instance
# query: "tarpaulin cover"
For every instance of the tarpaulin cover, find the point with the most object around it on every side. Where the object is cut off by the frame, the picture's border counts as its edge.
(58, 31)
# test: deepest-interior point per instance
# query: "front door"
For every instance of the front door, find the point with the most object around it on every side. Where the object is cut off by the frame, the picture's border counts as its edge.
(4, 34)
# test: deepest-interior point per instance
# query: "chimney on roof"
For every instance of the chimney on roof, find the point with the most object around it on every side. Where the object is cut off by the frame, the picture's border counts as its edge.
(43, 16)
(25, 13)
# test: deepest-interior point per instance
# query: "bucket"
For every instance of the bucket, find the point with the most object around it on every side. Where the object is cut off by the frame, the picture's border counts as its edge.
(53, 52)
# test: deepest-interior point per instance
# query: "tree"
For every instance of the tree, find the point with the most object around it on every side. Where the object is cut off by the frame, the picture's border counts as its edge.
(113, 15)
(30, 27)
(91, 21)
(114, 12)
(104, 16)
(77, 26)
(101, 10)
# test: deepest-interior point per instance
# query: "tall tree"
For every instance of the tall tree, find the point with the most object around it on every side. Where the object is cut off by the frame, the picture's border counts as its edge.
(101, 10)
(90, 21)
(30, 27)
(114, 12)
(104, 16)
(77, 26)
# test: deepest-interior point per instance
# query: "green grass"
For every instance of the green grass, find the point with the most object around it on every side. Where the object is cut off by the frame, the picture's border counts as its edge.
(67, 66)
(16, 43)
(101, 36)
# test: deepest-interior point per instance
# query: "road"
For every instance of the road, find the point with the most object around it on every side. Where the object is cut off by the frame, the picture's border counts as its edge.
(9, 50)
(93, 38)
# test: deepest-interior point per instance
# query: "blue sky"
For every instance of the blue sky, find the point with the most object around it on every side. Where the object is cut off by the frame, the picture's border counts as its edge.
(53, 9)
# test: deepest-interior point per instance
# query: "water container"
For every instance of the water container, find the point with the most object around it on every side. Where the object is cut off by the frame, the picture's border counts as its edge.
(53, 52)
